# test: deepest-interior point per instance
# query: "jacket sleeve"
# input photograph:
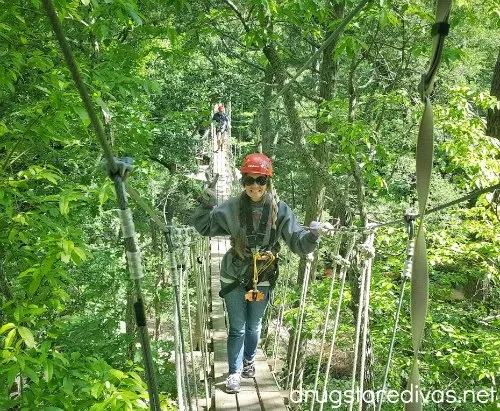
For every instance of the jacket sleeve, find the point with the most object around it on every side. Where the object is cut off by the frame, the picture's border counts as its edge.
(299, 239)
(210, 221)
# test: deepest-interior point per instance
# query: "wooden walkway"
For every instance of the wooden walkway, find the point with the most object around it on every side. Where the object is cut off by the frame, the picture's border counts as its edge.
(261, 392)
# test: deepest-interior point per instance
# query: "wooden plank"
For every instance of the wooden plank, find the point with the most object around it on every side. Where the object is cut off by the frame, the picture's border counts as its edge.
(248, 399)
(269, 392)
(223, 401)
(272, 401)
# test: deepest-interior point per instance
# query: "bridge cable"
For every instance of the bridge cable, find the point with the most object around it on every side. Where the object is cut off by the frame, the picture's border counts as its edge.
(336, 250)
(118, 171)
(368, 252)
(344, 266)
(410, 250)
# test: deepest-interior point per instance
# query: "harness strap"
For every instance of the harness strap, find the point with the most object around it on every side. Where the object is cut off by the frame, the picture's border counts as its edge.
(424, 156)
(255, 239)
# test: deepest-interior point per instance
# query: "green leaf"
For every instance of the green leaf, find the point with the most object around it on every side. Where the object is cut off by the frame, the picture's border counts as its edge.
(35, 284)
(27, 336)
(65, 257)
(78, 255)
(3, 129)
(48, 371)
(68, 386)
(133, 13)
(82, 113)
(96, 389)
(31, 374)
(9, 338)
(64, 205)
(44, 347)
(6, 327)
(12, 374)
(118, 374)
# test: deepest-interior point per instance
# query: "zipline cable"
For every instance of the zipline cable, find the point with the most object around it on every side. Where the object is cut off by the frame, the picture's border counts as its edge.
(118, 171)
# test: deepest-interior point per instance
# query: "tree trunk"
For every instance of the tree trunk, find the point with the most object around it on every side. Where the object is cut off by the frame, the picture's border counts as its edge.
(316, 195)
(265, 114)
(493, 119)
(355, 277)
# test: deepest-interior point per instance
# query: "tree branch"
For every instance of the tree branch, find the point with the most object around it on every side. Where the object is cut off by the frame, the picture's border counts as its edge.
(238, 14)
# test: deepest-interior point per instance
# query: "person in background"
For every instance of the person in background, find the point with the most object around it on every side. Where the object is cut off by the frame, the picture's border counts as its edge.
(221, 125)
(255, 220)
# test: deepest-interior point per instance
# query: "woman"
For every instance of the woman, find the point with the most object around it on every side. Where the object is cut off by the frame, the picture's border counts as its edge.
(255, 220)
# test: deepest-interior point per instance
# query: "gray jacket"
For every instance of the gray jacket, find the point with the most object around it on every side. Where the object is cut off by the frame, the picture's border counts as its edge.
(224, 220)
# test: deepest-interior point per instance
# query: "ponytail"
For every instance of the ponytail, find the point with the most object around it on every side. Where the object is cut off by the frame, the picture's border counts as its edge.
(275, 200)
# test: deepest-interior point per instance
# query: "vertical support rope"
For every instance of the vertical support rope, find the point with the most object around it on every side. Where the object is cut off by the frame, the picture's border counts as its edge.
(336, 250)
(281, 311)
(305, 286)
(178, 365)
(410, 248)
(201, 313)
(369, 254)
(368, 244)
(188, 269)
(343, 272)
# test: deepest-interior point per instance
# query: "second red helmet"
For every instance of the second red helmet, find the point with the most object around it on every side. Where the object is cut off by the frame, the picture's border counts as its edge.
(257, 163)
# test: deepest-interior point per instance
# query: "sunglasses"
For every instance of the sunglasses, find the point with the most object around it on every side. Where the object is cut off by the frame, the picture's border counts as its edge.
(248, 181)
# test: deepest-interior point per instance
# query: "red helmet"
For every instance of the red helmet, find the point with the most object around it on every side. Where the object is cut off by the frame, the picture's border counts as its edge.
(220, 108)
(257, 163)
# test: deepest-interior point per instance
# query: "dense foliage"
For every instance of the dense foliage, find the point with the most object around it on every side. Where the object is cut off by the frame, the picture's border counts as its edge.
(343, 138)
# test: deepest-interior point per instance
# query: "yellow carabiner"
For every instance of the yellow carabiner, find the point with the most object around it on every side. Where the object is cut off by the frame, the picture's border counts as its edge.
(254, 294)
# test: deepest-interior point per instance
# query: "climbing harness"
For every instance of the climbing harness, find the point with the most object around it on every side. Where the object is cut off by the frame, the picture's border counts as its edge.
(262, 264)
(268, 257)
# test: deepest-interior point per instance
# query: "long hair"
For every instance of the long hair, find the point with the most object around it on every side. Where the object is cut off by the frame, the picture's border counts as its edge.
(239, 242)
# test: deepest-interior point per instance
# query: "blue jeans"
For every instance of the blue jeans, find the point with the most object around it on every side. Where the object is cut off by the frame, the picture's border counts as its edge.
(245, 323)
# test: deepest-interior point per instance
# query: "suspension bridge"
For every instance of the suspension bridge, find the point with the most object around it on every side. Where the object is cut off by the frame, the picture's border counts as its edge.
(200, 325)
